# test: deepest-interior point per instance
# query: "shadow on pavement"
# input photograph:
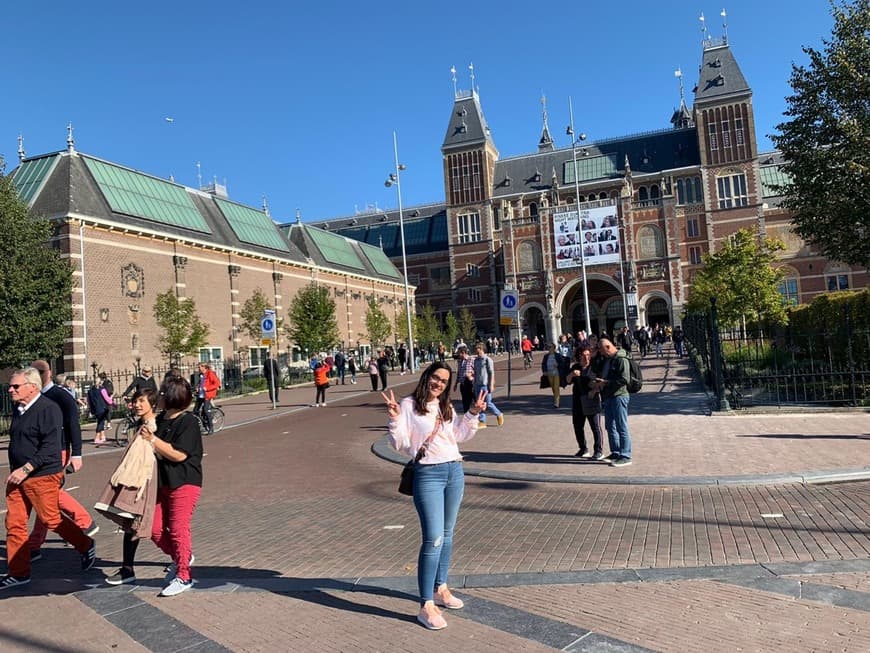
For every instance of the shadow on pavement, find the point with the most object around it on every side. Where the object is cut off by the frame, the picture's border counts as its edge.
(802, 436)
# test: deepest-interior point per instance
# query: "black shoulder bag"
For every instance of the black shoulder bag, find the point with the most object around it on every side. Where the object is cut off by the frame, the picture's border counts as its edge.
(406, 483)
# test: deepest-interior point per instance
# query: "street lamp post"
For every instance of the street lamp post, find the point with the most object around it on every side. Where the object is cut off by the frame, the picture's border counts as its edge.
(582, 137)
(391, 180)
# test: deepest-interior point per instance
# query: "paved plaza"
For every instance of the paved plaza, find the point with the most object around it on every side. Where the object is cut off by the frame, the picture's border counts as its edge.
(730, 532)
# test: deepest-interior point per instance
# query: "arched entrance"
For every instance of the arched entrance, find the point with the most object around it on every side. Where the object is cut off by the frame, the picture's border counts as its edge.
(657, 312)
(534, 324)
(601, 289)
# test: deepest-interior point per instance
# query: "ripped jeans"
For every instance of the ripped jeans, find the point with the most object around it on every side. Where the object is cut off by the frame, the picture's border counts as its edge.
(438, 492)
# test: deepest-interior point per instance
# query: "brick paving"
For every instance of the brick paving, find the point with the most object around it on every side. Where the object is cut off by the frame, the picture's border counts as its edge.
(297, 509)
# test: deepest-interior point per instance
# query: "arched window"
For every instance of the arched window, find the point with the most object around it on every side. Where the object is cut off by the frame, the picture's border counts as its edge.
(681, 192)
(591, 197)
(642, 194)
(654, 192)
(650, 242)
(533, 210)
(696, 182)
(528, 257)
(602, 195)
(614, 194)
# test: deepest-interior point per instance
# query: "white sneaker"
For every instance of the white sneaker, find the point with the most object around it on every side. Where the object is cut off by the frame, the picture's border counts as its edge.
(172, 569)
(177, 586)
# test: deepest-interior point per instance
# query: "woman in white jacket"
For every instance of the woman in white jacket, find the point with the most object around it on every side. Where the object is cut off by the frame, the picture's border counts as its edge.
(426, 420)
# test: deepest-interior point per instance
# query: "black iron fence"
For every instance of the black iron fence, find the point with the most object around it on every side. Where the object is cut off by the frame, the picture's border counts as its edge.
(779, 366)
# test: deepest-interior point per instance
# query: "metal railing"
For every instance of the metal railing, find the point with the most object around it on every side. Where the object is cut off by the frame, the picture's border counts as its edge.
(779, 366)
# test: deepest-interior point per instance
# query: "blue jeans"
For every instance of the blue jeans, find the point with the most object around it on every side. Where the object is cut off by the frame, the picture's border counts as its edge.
(438, 491)
(491, 406)
(616, 423)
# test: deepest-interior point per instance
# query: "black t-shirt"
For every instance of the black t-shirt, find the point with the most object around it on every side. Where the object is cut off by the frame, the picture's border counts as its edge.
(184, 435)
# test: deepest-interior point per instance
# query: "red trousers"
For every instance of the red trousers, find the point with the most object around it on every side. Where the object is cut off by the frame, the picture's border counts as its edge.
(69, 509)
(171, 529)
(39, 493)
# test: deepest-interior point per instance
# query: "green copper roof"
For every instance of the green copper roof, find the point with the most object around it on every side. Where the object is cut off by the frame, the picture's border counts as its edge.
(30, 174)
(380, 261)
(772, 176)
(251, 226)
(335, 249)
(594, 167)
(137, 194)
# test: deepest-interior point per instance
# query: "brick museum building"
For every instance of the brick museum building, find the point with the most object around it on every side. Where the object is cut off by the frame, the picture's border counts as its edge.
(131, 236)
(650, 205)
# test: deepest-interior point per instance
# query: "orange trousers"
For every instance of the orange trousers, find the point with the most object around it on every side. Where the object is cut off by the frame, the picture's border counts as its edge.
(39, 493)
(69, 508)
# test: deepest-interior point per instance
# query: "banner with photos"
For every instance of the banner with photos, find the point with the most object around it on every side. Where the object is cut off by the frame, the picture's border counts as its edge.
(594, 233)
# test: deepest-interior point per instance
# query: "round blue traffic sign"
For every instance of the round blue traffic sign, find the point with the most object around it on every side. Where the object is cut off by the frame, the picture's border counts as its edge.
(509, 301)
(268, 324)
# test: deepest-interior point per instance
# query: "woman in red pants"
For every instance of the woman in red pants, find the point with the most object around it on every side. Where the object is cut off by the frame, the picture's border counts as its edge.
(178, 445)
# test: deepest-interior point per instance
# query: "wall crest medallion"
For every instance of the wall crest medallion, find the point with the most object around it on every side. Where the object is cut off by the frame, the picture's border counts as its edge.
(132, 281)
(133, 314)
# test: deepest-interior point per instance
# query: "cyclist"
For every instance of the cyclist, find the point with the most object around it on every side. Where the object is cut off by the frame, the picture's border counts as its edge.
(526, 346)
(206, 389)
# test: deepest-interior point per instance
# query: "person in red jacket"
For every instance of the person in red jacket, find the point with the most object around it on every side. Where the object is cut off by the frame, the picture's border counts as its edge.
(321, 382)
(206, 390)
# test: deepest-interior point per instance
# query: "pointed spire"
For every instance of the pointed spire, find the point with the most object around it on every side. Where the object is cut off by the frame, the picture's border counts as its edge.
(471, 68)
(627, 167)
(298, 216)
(265, 206)
(681, 117)
(453, 75)
(70, 141)
(546, 142)
(724, 15)
(21, 154)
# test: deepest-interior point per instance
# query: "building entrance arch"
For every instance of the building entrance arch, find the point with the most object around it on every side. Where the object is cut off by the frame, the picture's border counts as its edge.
(533, 323)
(569, 303)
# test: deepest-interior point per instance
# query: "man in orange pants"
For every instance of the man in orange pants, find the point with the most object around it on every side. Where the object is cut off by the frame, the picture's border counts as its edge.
(34, 478)
(71, 453)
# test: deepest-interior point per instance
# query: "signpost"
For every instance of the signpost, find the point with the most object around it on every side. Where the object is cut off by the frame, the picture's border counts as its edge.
(268, 336)
(509, 317)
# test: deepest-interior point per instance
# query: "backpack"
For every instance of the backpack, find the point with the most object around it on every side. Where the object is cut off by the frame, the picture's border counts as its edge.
(635, 376)
(96, 403)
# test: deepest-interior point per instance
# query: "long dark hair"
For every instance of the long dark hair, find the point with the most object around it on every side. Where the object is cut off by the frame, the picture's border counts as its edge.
(421, 393)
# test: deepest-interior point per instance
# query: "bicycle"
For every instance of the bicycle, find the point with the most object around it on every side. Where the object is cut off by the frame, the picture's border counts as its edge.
(125, 428)
(217, 420)
(527, 359)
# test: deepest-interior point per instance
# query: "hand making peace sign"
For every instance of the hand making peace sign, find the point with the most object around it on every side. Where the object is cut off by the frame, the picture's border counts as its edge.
(392, 404)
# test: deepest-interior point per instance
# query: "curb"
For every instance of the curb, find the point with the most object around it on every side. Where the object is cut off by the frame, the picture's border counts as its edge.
(382, 449)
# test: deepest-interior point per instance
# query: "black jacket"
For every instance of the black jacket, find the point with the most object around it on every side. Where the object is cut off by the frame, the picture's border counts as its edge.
(72, 431)
(140, 383)
(35, 438)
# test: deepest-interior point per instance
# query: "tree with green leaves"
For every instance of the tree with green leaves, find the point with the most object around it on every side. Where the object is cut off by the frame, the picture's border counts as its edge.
(35, 284)
(252, 312)
(378, 327)
(451, 329)
(824, 143)
(467, 326)
(183, 332)
(401, 325)
(428, 328)
(312, 324)
(742, 280)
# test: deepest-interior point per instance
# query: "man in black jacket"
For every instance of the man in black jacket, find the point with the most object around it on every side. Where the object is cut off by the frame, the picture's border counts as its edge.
(35, 477)
(142, 382)
(70, 453)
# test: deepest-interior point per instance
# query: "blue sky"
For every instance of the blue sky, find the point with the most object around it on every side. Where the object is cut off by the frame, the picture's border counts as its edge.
(299, 103)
